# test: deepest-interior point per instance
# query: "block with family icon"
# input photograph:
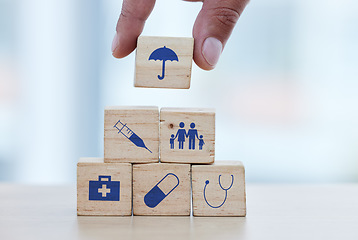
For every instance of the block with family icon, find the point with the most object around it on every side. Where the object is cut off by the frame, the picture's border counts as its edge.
(187, 135)
(163, 62)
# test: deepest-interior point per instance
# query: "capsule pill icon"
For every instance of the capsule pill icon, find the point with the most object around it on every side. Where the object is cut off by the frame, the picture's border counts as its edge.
(161, 190)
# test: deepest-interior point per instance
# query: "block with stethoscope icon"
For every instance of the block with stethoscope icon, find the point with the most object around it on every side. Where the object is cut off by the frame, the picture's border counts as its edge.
(131, 134)
(219, 189)
(161, 189)
(104, 188)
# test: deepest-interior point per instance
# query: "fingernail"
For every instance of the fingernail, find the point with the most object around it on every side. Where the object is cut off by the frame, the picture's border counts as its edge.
(115, 42)
(212, 49)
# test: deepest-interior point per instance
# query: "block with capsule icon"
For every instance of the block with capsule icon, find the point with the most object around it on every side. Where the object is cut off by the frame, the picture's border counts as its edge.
(104, 188)
(187, 135)
(131, 134)
(163, 62)
(161, 189)
(219, 189)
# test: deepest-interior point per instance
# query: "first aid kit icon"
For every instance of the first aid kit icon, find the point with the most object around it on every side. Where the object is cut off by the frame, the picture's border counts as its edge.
(104, 189)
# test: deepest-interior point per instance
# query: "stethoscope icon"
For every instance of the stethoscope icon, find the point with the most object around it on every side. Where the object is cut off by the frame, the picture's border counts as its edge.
(225, 189)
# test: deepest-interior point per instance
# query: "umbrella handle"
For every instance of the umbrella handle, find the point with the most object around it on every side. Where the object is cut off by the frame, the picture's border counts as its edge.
(163, 71)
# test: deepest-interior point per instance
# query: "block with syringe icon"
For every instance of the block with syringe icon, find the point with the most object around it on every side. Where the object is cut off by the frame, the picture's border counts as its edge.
(131, 134)
(128, 133)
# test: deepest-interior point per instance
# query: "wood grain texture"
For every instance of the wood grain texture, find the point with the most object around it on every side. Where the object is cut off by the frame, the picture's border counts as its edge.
(170, 119)
(89, 169)
(235, 203)
(177, 73)
(143, 121)
(147, 176)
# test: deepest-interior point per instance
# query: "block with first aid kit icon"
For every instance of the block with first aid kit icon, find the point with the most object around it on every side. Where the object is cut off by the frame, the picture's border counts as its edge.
(104, 188)
(219, 189)
(161, 189)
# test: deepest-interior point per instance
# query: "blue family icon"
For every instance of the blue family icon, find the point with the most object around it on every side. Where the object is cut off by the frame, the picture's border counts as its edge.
(163, 54)
(128, 133)
(192, 136)
(156, 194)
(225, 189)
(104, 189)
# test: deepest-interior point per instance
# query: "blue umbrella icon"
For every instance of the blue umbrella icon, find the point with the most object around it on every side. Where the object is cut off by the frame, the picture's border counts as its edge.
(163, 54)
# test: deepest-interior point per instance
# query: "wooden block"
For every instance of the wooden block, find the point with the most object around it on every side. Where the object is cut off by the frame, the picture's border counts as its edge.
(104, 188)
(187, 135)
(163, 62)
(131, 134)
(161, 189)
(219, 189)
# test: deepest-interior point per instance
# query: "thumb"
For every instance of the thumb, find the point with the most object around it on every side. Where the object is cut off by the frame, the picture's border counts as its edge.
(212, 29)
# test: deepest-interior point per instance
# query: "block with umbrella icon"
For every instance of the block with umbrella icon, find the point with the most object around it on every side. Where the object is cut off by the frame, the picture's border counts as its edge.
(163, 62)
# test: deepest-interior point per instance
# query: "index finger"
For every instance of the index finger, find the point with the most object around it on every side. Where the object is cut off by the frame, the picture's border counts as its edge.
(130, 25)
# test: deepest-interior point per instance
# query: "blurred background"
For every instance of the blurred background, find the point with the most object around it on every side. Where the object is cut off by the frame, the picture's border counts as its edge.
(285, 88)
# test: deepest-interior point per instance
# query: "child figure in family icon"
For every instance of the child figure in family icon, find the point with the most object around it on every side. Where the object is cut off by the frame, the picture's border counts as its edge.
(192, 134)
(201, 142)
(172, 141)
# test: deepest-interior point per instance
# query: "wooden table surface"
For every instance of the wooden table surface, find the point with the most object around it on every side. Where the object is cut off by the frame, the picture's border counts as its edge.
(273, 212)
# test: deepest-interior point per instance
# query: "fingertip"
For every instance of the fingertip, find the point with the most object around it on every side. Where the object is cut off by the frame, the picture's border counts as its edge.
(121, 54)
(115, 46)
(116, 55)
(207, 52)
(115, 42)
(202, 64)
(123, 46)
(197, 55)
(211, 51)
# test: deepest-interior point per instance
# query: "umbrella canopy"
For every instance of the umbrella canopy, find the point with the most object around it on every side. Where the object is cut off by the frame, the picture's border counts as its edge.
(163, 54)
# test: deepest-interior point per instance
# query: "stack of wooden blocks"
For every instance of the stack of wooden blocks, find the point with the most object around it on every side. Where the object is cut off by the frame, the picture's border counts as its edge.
(156, 162)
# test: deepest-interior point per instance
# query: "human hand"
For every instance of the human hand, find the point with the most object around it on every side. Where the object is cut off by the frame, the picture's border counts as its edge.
(212, 28)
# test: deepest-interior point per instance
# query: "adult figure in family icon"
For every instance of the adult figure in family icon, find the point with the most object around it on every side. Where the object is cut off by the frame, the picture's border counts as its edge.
(181, 135)
(192, 134)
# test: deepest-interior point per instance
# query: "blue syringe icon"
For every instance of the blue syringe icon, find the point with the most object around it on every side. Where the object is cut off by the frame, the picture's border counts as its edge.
(128, 133)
